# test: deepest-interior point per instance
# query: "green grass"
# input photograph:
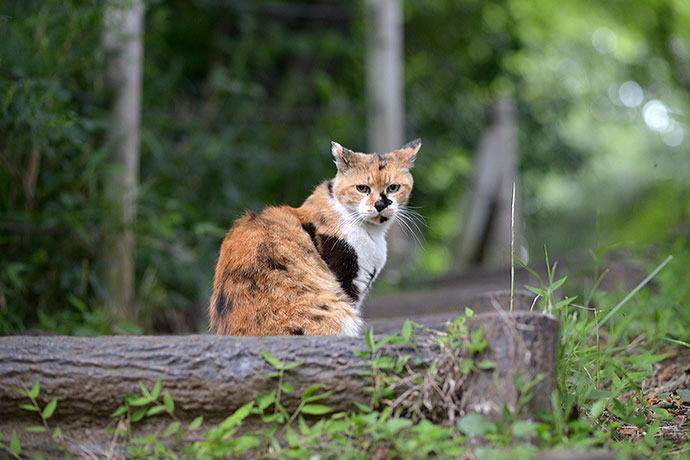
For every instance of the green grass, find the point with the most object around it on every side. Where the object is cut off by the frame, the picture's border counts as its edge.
(610, 343)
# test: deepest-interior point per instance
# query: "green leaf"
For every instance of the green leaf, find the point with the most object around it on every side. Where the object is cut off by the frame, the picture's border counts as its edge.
(362, 407)
(196, 423)
(310, 391)
(684, 394)
(406, 329)
(285, 387)
(316, 409)
(50, 408)
(293, 365)
(119, 411)
(156, 389)
(485, 364)
(15, 445)
(536, 291)
(144, 391)
(598, 408)
(303, 427)
(140, 401)
(396, 424)
(172, 428)
(139, 414)
(523, 428)
(237, 417)
(475, 425)
(273, 361)
(369, 340)
(156, 410)
(36, 429)
(168, 402)
(263, 401)
(30, 407)
(38, 457)
(57, 432)
(469, 313)
(558, 283)
(33, 393)
(317, 397)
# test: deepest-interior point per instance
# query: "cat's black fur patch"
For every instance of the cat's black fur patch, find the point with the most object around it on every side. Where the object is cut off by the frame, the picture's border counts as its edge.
(270, 259)
(311, 230)
(382, 161)
(317, 318)
(324, 307)
(341, 258)
(246, 276)
(223, 305)
(387, 201)
(329, 184)
(296, 331)
(383, 219)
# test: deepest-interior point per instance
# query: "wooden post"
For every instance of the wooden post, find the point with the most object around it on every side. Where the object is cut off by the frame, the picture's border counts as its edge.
(487, 223)
(385, 106)
(122, 40)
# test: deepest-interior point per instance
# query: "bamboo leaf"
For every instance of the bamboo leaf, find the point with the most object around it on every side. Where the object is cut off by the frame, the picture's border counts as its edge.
(156, 389)
(316, 409)
(172, 428)
(407, 329)
(36, 429)
(15, 445)
(272, 360)
(33, 393)
(156, 410)
(168, 402)
(196, 423)
(50, 408)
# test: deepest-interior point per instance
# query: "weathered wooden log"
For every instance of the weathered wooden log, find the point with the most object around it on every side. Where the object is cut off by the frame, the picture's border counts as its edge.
(213, 376)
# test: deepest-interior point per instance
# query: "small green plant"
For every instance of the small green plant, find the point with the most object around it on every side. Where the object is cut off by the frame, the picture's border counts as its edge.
(147, 404)
(44, 414)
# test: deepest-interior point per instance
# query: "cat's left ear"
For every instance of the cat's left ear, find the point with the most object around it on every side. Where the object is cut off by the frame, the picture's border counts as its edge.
(408, 152)
(343, 157)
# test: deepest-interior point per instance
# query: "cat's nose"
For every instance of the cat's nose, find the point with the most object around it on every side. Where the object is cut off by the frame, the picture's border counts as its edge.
(382, 203)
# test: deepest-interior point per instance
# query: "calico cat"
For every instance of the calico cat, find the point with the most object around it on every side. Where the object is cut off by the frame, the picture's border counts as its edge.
(306, 270)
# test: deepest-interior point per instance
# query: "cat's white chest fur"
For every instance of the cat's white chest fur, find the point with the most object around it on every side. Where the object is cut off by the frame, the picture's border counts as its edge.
(369, 242)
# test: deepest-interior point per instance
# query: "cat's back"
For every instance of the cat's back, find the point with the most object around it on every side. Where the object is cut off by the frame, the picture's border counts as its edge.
(271, 280)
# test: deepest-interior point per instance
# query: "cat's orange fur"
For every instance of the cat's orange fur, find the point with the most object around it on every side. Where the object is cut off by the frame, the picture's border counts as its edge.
(294, 271)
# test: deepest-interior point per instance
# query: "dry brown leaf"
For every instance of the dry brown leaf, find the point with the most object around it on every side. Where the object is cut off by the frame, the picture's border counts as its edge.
(666, 373)
(628, 430)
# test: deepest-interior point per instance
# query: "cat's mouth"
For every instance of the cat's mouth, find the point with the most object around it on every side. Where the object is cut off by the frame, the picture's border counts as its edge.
(380, 218)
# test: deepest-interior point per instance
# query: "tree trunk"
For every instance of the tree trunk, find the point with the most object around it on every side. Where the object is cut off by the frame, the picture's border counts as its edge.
(123, 42)
(213, 376)
(385, 107)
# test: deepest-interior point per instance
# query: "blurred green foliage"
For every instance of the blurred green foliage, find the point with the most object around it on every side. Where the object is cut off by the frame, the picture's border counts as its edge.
(242, 98)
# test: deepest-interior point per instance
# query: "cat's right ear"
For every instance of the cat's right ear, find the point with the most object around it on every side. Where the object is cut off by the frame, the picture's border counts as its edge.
(343, 157)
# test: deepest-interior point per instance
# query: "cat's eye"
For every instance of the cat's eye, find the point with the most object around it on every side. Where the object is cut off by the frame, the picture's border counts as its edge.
(363, 189)
(393, 188)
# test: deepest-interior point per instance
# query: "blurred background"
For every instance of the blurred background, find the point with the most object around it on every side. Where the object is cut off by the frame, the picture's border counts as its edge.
(131, 136)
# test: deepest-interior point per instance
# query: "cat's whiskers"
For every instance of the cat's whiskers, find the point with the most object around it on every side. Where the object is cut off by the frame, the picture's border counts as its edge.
(409, 221)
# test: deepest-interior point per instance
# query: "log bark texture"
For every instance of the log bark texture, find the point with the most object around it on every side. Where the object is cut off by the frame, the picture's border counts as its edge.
(213, 376)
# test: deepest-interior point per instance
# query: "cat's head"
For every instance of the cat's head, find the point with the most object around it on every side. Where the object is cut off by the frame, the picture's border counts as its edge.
(373, 188)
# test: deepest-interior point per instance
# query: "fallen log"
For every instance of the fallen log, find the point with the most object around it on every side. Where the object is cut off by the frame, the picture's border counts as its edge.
(213, 376)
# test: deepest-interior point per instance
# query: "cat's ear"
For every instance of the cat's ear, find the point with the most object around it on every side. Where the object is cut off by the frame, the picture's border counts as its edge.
(408, 152)
(343, 157)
